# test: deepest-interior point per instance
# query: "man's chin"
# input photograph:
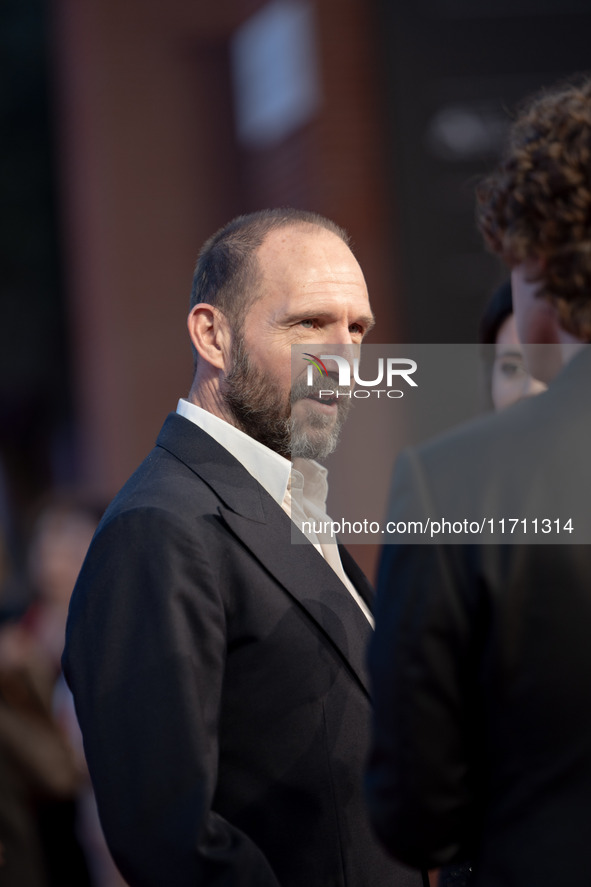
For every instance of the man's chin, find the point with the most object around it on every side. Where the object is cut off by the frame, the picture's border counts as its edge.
(315, 413)
(315, 428)
(312, 443)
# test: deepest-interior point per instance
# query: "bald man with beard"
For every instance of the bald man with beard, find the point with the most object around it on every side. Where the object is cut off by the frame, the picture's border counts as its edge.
(218, 669)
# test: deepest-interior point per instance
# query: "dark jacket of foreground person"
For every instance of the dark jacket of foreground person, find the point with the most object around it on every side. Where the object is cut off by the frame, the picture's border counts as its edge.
(481, 660)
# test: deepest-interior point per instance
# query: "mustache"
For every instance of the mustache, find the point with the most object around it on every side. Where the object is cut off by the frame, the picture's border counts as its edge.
(300, 388)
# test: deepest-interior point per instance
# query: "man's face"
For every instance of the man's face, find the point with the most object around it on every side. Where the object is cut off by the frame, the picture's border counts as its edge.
(313, 293)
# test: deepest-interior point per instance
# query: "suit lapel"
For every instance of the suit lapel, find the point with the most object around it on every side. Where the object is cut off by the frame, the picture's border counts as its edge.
(255, 518)
(308, 579)
(357, 576)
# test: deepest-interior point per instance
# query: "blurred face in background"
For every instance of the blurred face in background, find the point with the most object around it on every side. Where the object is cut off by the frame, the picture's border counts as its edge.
(60, 543)
(535, 322)
(510, 379)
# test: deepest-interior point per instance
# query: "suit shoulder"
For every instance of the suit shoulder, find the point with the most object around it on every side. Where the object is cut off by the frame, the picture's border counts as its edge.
(486, 433)
(497, 457)
(162, 483)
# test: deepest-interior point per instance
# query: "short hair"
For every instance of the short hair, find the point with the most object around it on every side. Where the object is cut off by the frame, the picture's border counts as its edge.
(496, 311)
(537, 204)
(227, 273)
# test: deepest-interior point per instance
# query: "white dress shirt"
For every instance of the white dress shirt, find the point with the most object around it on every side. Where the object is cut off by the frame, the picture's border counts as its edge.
(300, 489)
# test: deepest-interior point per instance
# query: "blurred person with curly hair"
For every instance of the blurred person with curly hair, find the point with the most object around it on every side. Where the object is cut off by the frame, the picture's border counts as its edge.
(535, 212)
(481, 662)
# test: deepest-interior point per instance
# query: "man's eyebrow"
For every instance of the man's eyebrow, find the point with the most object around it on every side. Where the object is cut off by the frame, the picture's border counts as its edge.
(367, 320)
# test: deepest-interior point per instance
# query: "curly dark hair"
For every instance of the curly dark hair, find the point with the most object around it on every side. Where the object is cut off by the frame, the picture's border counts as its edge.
(537, 204)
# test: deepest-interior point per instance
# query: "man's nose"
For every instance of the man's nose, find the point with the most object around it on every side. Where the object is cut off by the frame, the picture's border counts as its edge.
(338, 357)
(342, 335)
(338, 348)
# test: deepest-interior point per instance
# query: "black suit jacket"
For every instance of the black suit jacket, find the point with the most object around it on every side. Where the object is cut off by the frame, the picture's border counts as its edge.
(481, 660)
(219, 678)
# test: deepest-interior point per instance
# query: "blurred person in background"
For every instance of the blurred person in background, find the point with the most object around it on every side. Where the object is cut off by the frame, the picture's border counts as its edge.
(38, 773)
(507, 377)
(41, 776)
(6, 573)
(47, 839)
(507, 381)
(11, 590)
(60, 539)
(481, 662)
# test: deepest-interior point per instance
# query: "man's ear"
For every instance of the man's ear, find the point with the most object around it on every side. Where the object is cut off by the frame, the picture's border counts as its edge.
(211, 335)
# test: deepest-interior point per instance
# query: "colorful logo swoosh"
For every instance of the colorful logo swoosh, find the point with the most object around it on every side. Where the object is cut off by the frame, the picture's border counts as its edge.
(315, 361)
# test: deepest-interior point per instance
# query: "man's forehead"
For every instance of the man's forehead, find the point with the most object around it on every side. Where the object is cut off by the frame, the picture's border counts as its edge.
(305, 265)
(300, 238)
(303, 255)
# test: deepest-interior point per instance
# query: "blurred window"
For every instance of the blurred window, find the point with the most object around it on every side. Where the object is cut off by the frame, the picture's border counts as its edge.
(275, 72)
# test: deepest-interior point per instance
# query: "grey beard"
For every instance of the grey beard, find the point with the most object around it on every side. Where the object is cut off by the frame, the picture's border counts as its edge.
(264, 413)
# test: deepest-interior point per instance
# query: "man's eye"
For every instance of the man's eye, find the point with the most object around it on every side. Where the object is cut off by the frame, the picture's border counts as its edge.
(356, 328)
(308, 323)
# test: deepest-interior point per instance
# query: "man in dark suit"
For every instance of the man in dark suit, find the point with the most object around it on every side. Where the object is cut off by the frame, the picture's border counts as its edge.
(218, 669)
(481, 661)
